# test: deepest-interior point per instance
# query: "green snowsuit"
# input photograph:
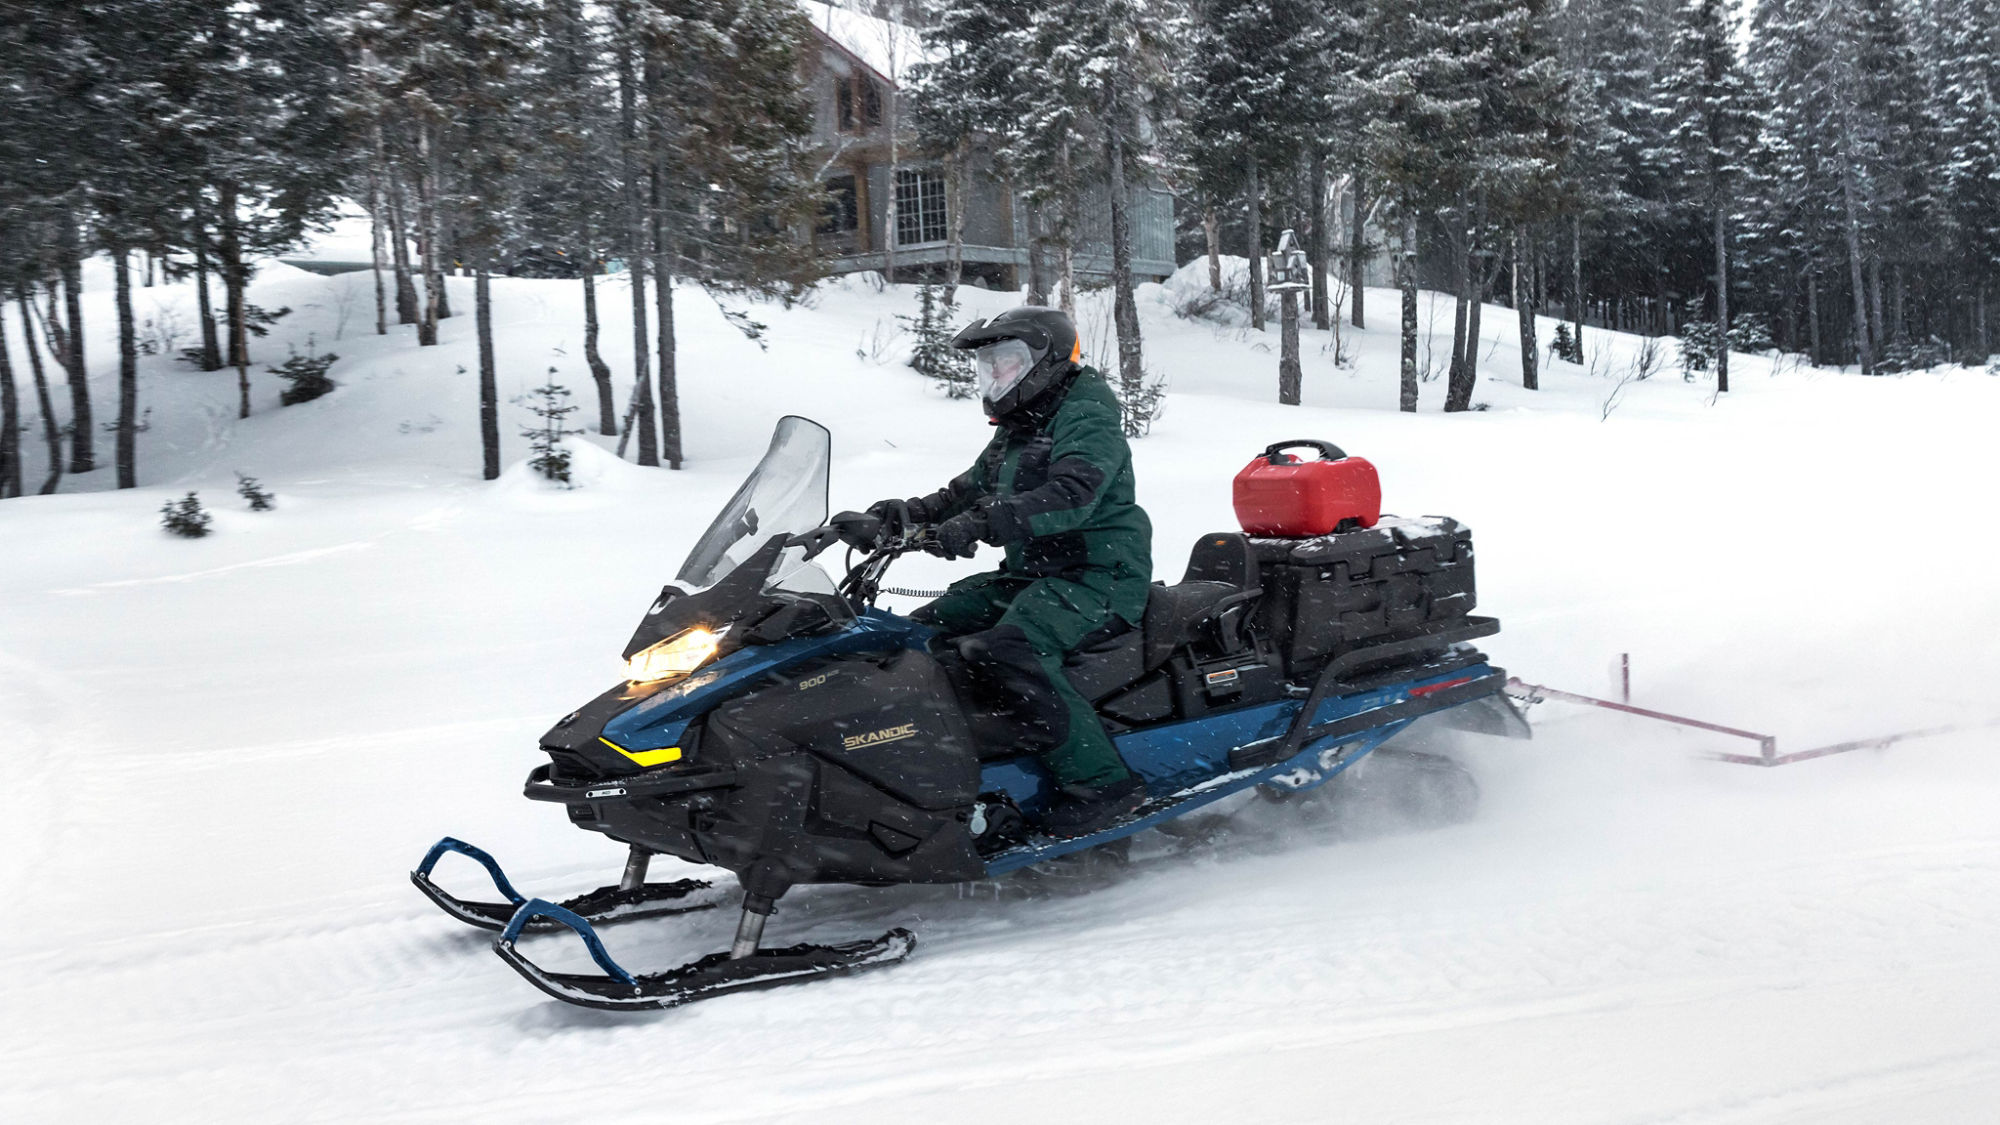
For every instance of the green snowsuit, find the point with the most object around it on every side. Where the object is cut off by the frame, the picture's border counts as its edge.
(1056, 486)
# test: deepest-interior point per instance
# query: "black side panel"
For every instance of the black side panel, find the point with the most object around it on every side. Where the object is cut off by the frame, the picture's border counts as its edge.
(892, 720)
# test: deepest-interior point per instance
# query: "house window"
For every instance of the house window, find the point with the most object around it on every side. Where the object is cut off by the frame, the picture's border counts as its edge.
(920, 210)
(838, 213)
(857, 102)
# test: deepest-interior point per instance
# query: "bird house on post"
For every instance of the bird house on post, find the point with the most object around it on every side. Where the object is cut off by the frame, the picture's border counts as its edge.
(1289, 271)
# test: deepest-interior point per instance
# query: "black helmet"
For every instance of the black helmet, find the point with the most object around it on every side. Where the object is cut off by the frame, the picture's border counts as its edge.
(1020, 355)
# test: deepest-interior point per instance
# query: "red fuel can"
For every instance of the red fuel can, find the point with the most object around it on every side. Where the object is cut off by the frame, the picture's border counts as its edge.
(1279, 495)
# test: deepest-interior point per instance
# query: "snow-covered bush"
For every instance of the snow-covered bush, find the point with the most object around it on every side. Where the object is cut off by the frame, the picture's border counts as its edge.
(550, 404)
(248, 488)
(306, 374)
(1750, 333)
(1914, 355)
(185, 517)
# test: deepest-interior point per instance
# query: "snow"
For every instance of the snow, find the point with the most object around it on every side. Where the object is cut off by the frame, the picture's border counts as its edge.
(227, 752)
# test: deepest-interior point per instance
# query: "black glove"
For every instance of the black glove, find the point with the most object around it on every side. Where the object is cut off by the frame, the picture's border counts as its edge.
(894, 514)
(959, 536)
(856, 530)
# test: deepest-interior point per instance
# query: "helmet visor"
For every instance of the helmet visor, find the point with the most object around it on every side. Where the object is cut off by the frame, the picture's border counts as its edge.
(1001, 364)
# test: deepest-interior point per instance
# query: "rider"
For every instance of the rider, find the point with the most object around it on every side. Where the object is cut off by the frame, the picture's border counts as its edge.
(1054, 487)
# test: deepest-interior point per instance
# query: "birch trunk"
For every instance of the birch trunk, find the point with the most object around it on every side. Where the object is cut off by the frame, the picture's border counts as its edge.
(635, 246)
(663, 301)
(399, 254)
(378, 246)
(237, 310)
(427, 222)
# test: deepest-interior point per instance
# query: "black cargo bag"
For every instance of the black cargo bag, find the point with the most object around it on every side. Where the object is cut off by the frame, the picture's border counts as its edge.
(1330, 594)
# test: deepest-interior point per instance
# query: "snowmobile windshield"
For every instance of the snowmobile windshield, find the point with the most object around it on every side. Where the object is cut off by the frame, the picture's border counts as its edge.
(784, 495)
(1000, 365)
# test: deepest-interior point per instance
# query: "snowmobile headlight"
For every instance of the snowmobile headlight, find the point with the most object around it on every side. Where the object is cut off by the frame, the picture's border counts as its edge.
(676, 656)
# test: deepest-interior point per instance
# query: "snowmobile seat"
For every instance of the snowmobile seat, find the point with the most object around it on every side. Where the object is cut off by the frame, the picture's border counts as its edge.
(1219, 572)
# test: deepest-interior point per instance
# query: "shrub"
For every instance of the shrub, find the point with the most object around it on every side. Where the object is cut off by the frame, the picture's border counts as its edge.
(185, 517)
(550, 404)
(933, 356)
(1566, 346)
(307, 375)
(248, 488)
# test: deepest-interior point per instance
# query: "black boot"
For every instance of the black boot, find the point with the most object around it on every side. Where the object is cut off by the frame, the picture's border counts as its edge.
(1080, 810)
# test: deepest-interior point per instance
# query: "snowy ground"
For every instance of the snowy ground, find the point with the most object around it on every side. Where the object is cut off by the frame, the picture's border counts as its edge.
(228, 752)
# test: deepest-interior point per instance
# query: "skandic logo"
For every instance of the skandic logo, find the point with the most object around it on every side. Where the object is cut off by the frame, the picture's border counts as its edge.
(878, 737)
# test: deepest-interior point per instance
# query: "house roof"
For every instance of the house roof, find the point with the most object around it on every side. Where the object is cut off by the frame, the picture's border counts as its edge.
(884, 46)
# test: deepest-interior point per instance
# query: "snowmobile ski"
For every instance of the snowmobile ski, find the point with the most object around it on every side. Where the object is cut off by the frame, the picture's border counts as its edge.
(717, 974)
(601, 907)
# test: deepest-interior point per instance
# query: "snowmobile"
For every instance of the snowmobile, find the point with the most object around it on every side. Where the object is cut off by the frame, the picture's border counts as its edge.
(776, 724)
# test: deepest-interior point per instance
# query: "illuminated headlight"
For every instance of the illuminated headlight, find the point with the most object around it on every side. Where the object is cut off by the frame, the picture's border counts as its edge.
(676, 656)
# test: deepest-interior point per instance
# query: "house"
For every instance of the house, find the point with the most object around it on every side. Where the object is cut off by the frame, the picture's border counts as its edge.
(859, 70)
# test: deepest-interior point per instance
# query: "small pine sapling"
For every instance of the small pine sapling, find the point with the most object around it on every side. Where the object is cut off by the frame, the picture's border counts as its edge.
(550, 404)
(306, 374)
(1565, 346)
(185, 517)
(933, 356)
(248, 488)
(1699, 340)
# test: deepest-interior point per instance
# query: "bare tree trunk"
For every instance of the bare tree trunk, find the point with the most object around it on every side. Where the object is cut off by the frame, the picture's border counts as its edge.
(1876, 329)
(128, 368)
(890, 212)
(51, 433)
(1038, 253)
(1406, 280)
(1066, 230)
(1979, 315)
(1812, 318)
(1465, 374)
(1897, 285)
(1253, 194)
(82, 458)
(1125, 311)
(399, 254)
(447, 251)
(211, 342)
(377, 249)
(1210, 224)
(600, 371)
(1318, 238)
(1524, 308)
(1289, 376)
(663, 301)
(1357, 256)
(433, 249)
(954, 254)
(1864, 346)
(635, 242)
(10, 423)
(489, 382)
(1721, 234)
(233, 285)
(1577, 303)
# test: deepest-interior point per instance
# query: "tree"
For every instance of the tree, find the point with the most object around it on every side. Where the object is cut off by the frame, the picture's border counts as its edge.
(1714, 122)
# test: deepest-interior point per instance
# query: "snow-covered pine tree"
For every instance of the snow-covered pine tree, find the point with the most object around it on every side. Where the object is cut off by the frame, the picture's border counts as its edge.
(1714, 121)
(1254, 95)
(185, 517)
(970, 92)
(1968, 116)
(1107, 81)
(931, 353)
